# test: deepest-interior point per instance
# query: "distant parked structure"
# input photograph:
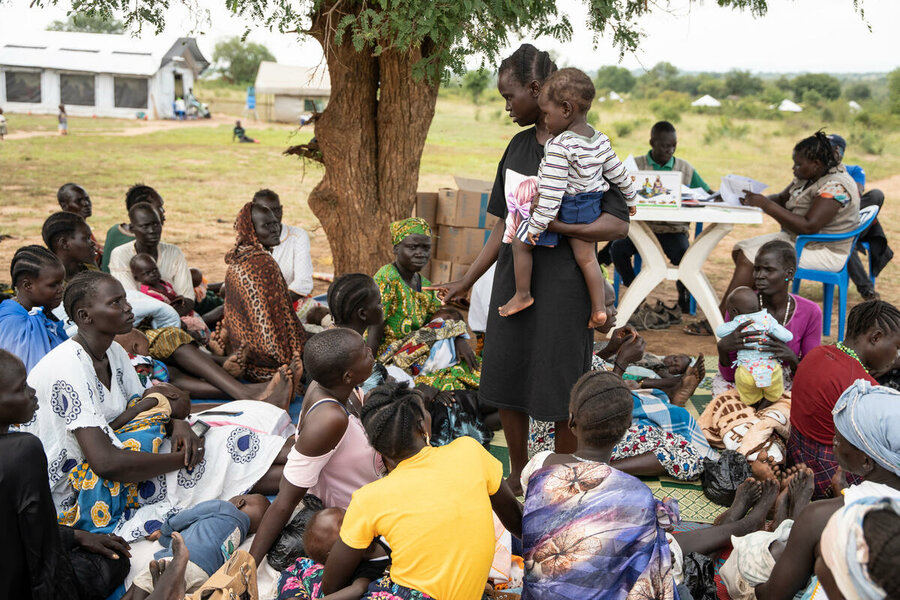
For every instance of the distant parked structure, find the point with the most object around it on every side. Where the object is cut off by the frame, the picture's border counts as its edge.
(706, 101)
(97, 74)
(298, 91)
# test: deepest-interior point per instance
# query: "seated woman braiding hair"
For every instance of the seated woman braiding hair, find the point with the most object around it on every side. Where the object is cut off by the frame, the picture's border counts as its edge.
(258, 312)
(420, 505)
(409, 305)
(86, 383)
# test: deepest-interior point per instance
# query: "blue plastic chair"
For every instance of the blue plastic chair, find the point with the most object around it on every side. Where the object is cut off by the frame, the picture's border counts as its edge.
(617, 280)
(830, 279)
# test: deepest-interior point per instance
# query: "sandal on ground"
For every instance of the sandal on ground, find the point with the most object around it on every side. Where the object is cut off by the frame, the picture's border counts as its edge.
(671, 313)
(700, 328)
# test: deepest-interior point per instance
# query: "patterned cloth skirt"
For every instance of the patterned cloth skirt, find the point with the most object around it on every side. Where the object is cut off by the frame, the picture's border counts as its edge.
(818, 457)
(166, 340)
(303, 581)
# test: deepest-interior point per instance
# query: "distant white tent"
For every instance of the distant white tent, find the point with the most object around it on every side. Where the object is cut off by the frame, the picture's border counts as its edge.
(788, 106)
(612, 97)
(854, 106)
(706, 101)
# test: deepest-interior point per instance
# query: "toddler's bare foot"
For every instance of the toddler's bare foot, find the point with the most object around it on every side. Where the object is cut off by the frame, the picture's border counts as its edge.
(280, 390)
(800, 489)
(748, 492)
(598, 319)
(168, 576)
(236, 363)
(517, 303)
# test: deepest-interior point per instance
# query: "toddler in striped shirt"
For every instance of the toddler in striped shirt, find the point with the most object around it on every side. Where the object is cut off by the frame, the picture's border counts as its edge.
(573, 176)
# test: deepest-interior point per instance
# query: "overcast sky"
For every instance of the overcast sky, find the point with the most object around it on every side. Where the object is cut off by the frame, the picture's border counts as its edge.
(795, 35)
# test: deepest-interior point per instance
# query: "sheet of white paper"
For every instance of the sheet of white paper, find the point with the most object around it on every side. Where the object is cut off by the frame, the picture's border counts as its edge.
(733, 186)
(630, 164)
(694, 193)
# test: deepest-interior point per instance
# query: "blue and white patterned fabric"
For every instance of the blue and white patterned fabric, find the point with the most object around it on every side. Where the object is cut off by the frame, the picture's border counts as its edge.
(70, 397)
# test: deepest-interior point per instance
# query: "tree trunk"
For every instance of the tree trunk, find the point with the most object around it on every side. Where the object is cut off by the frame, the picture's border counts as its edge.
(371, 136)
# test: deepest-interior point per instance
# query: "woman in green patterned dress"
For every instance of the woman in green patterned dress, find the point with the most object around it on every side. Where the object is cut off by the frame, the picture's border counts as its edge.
(409, 305)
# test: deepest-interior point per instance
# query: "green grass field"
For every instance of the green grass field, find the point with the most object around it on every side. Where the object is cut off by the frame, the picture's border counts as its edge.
(205, 178)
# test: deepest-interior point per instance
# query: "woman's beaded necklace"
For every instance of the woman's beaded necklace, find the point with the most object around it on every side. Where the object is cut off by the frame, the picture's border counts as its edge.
(788, 310)
(851, 353)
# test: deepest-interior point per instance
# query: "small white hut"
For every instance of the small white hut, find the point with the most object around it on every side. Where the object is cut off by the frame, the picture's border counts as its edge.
(706, 101)
(788, 106)
(299, 91)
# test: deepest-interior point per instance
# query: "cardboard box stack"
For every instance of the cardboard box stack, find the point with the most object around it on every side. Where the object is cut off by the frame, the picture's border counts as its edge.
(461, 225)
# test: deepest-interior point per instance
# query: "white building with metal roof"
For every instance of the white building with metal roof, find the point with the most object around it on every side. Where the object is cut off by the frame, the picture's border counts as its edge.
(298, 91)
(97, 74)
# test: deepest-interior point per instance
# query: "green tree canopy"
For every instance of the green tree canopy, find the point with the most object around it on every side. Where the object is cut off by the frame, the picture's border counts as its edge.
(858, 91)
(825, 85)
(88, 23)
(386, 61)
(239, 60)
(742, 83)
(475, 82)
(894, 91)
(613, 78)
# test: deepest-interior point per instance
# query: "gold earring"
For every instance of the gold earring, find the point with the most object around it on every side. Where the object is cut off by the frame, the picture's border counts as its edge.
(427, 440)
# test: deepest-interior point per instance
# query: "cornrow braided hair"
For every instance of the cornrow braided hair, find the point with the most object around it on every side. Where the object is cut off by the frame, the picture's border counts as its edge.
(347, 294)
(818, 147)
(82, 288)
(391, 415)
(28, 261)
(601, 404)
(139, 193)
(60, 224)
(881, 529)
(528, 64)
(874, 313)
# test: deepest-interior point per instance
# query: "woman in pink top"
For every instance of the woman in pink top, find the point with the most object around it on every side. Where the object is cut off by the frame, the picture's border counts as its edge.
(332, 457)
(729, 423)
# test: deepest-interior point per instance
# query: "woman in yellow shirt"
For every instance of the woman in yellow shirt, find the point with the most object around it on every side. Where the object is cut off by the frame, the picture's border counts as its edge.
(433, 508)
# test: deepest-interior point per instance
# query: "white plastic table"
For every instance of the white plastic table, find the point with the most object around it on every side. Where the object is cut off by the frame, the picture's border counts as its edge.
(717, 222)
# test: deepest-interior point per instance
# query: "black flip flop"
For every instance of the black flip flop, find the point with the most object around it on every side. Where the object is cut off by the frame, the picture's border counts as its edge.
(700, 328)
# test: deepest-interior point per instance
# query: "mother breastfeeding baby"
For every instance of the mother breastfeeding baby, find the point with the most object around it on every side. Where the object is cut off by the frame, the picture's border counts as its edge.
(84, 386)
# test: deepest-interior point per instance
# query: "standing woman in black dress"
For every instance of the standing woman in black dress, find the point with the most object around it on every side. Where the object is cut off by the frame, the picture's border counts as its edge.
(533, 358)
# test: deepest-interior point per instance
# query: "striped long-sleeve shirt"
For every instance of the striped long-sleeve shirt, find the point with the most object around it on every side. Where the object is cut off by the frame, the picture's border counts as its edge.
(574, 164)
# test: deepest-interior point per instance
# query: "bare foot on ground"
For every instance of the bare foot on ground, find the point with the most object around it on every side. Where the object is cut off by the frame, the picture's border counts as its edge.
(760, 510)
(296, 368)
(763, 467)
(280, 388)
(747, 495)
(236, 363)
(800, 489)
(168, 576)
(689, 382)
(517, 303)
(218, 340)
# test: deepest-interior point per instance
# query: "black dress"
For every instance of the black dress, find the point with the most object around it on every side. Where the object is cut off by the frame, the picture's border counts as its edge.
(532, 359)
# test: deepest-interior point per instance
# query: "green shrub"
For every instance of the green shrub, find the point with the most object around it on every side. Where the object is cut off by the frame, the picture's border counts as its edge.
(592, 119)
(725, 128)
(868, 141)
(623, 128)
